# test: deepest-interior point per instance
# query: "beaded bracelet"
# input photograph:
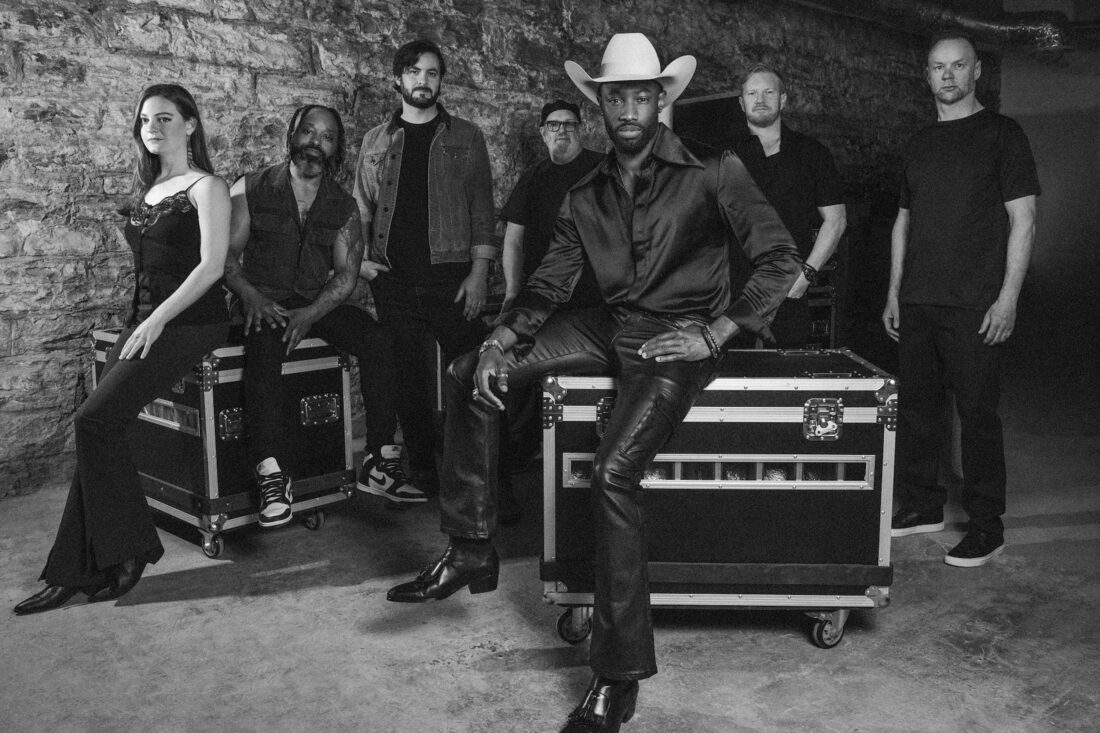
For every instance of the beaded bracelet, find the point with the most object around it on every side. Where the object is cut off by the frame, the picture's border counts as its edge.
(712, 343)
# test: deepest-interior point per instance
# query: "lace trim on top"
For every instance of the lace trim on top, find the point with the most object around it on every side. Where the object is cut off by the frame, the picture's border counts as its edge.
(146, 215)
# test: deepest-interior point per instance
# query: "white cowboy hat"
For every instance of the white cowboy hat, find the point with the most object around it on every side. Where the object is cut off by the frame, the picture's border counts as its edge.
(631, 57)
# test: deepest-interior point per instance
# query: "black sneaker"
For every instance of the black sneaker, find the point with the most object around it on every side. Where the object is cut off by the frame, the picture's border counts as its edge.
(382, 475)
(907, 522)
(977, 548)
(275, 499)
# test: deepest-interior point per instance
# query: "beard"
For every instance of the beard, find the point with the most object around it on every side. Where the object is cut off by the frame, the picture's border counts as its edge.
(311, 160)
(421, 102)
(633, 145)
(762, 117)
(563, 151)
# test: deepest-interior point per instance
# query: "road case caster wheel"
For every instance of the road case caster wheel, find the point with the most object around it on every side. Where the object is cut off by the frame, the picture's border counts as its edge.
(212, 546)
(314, 520)
(828, 628)
(574, 625)
(826, 635)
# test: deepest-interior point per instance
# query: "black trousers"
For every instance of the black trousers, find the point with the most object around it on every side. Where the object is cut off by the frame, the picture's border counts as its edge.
(106, 519)
(653, 398)
(345, 327)
(409, 313)
(940, 350)
(791, 326)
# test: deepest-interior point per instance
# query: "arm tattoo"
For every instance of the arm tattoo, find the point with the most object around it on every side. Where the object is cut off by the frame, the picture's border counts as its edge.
(345, 272)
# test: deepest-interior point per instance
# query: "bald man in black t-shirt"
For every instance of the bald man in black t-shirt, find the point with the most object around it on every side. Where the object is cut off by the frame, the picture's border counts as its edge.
(960, 249)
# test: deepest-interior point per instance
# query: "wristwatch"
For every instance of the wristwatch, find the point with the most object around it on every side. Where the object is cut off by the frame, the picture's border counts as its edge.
(810, 273)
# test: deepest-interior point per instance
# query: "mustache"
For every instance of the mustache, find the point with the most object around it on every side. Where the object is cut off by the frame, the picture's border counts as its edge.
(312, 153)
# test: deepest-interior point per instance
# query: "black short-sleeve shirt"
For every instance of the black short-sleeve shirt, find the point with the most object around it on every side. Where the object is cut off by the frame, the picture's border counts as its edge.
(955, 179)
(534, 204)
(796, 181)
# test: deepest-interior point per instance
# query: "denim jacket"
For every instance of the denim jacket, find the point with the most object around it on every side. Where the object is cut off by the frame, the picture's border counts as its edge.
(460, 190)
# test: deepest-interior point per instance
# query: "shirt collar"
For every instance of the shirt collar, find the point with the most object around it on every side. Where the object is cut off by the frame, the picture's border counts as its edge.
(758, 147)
(667, 148)
(395, 119)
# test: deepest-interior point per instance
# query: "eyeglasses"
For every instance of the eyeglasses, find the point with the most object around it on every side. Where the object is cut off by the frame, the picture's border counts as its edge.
(555, 125)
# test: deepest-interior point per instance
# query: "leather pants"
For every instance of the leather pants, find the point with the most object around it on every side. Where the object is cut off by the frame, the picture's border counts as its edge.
(653, 398)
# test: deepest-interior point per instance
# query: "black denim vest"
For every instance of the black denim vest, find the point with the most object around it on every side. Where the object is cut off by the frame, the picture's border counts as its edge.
(285, 256)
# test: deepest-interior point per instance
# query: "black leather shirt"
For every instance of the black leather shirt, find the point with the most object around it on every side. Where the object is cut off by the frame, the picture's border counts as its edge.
(665, 249)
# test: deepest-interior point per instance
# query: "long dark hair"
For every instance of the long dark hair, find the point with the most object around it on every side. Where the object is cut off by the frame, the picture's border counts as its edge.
(147, 165)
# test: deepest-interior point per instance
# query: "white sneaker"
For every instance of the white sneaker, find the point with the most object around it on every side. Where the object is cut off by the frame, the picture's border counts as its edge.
(275, 496)
(383, 476)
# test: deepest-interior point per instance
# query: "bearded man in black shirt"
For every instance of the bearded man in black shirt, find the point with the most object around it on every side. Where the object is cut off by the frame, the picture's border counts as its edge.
(530, 213)
(798, 176)
(425, 196)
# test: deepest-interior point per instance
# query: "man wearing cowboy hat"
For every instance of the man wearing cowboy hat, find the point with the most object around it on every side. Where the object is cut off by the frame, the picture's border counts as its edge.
(654, 222)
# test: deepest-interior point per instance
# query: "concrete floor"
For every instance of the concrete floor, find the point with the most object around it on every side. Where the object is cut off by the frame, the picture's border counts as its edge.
(289, 631)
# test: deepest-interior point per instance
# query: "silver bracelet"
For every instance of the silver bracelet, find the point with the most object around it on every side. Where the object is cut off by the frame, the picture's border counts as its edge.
(490, 344)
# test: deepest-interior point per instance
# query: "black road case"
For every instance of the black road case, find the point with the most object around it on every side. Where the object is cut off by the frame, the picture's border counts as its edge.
(775, 491)
(189, 448)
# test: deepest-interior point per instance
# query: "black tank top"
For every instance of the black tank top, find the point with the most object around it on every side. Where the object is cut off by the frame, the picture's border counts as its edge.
(165, 240)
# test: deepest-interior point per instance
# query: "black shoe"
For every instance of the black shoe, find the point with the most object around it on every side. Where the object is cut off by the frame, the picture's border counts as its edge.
(462, 564)
(124, 577)
(47, 599)
(508, 509)
(977, 548)
(907, 522)
(606, 706)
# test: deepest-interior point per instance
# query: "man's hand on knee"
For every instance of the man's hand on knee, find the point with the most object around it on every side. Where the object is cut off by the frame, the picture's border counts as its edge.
(491, 377)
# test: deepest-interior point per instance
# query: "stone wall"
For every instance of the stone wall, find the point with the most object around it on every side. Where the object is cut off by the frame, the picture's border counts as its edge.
(69, 72)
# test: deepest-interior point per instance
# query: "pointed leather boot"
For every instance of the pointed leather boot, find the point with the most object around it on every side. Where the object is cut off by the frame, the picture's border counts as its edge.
(47, 599)
(460, 565)
(124, 577)
(606, 706)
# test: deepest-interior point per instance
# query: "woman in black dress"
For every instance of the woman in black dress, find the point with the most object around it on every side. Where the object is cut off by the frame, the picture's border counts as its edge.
(178, 228)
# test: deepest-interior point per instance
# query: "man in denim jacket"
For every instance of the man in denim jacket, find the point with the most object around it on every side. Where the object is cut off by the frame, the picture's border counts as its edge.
(426, 203)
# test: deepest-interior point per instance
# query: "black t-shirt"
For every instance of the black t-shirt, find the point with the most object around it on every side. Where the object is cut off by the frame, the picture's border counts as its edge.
(956, 177)
(796, 181)
(408, 250)
(534, 204)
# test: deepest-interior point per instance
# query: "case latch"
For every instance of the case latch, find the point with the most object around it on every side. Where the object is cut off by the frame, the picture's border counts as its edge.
(603, 413)
(320, 409)
(887, 412)
(231, 423)
(822, 418)
(552, 396)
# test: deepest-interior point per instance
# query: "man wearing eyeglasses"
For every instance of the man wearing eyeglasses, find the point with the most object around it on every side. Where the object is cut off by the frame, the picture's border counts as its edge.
(529, 215)
(533, 205)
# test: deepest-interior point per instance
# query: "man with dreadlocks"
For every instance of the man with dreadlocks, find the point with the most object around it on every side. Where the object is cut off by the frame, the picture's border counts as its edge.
(299, 234)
